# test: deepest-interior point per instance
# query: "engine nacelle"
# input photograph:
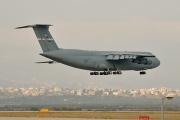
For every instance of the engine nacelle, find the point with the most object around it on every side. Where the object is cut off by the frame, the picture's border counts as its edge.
(144, 61)
(149, 62)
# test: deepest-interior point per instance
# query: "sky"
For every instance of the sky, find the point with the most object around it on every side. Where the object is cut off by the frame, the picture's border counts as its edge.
(115, 25)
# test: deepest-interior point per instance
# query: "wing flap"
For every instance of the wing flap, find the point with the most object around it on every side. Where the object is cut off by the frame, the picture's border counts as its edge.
(109, 57)
(116, 57)
(126, 56)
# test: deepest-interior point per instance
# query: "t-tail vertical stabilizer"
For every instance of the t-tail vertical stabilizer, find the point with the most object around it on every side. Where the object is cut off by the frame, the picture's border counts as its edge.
(44, 37)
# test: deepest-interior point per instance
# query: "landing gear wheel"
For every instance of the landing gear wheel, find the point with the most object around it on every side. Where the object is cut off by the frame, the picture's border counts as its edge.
(118, 73)
(96, 73)
(114, 73)
(105, 73)
(109, 73)
(101, 73)
(142, 73)
(91, 73)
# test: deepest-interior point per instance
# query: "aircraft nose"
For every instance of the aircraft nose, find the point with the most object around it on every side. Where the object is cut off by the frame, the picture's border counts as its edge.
(157, 62)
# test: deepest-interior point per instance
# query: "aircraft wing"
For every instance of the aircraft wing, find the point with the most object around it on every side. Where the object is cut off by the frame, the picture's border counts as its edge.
(127, 56)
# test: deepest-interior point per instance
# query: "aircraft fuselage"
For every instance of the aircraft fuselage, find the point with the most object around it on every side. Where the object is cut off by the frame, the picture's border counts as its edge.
(96, 60)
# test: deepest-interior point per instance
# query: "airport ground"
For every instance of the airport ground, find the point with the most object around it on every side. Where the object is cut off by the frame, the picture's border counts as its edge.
(25, 118)
(123, 115)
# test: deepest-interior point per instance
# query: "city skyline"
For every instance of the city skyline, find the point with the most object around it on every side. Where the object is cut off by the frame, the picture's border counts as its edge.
(56, 91)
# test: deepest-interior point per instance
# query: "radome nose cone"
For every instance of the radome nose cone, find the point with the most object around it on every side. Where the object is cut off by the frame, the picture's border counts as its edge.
(158, 63)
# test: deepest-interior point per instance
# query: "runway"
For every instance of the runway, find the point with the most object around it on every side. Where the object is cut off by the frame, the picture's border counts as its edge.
(95, 115)
(30, 118)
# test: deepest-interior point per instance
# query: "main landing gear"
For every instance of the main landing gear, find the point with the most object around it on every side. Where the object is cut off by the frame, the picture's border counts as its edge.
(114, 73)
(106, 73)
(117, 73)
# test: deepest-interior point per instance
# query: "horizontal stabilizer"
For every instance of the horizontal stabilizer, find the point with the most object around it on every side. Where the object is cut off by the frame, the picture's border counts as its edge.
(49, 62)
(33, 26)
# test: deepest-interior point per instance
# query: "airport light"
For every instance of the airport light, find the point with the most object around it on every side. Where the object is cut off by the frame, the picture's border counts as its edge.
(169, 97)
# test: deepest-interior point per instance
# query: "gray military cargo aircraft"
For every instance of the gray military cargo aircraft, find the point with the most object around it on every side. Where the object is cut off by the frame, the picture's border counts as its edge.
(99, 62)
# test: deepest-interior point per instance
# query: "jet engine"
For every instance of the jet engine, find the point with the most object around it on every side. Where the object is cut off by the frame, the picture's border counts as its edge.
(144, 61)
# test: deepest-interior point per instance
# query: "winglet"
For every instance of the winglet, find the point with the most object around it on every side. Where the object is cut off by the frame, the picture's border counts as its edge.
(36, 25)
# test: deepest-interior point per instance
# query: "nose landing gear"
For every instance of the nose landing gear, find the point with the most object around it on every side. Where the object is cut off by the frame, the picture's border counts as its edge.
(142, 73)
